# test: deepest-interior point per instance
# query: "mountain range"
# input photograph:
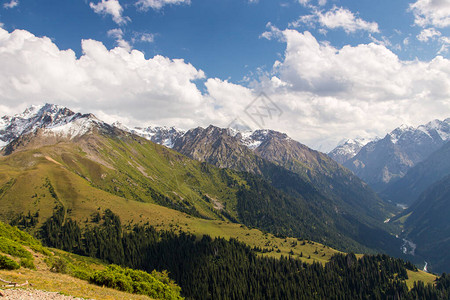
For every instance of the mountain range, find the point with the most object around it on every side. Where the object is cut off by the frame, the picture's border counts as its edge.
(347, 149)
(54, 157)
(383, 161)
(263, 179)
(427, 172)
(426, 224)
(410, 167)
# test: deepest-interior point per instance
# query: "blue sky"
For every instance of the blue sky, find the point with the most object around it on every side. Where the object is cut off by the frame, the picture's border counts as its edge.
(231, 51)
(220, 37)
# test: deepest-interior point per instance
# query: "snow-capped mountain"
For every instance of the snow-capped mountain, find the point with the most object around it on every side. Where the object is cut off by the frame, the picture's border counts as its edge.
(161, 135)
(168, 136)
(386, 160)
(347, 149)
(52, 119)
(253, 139)
(434, 131)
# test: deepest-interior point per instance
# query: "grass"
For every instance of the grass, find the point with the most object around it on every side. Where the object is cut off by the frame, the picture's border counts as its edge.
(419, 276)
(65, 284)
(69, 279)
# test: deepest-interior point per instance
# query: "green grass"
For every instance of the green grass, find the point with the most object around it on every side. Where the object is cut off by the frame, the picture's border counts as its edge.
(63, 272)
(13, 248)
(419, 276)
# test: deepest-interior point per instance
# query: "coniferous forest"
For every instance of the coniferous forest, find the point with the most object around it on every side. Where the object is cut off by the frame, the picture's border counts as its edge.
(207, 268)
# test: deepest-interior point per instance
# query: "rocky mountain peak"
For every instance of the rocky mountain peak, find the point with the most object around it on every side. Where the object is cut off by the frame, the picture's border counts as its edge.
(348, 148)
(53, 119)
(386, 160)
(162, 135)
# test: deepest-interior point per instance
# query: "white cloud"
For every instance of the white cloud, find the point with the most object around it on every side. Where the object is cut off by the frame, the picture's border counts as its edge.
(384, 41)
(307, 2)
(112, 82)
(272, 33)
(144, 37)
(11, 4)
(117, 34)
(326, 93)
(336, 18)
(110, 7)
(329, 93)
(431, 12)
(445, 44)
(158, 4)
(428, 34)
(431, 34)
(138, 37)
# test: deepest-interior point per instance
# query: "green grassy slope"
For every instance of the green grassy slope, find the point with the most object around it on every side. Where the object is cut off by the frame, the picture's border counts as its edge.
(32, 181)
(106, 170)
(52, 270)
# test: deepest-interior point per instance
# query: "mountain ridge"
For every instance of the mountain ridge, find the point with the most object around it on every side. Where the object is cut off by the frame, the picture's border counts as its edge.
(347, 149)
(427, 225)
(388, 159)
(131, 167)
(407, 189)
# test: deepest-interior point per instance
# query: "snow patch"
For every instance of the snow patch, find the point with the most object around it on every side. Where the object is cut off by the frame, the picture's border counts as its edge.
(163, 135)
(73, 129)
(53, 119)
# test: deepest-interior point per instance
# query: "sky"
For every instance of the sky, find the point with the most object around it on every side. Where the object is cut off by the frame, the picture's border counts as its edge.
(319, 70)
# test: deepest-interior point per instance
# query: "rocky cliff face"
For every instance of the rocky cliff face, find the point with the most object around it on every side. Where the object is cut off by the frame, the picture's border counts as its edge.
(220, 147)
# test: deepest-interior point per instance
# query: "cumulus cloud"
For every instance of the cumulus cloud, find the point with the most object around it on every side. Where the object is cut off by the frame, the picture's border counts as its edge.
(329, 93)
(431, 34)
(117, 34)
(428, 34)
(110, 7)
(431, 12)
(11, 4)
(113, 82)
(337, 18)
(325, 93)
(158, 4)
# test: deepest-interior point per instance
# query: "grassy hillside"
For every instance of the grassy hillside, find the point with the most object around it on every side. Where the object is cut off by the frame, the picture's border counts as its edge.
(30, 181)
(119, 171)
(50, 269)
